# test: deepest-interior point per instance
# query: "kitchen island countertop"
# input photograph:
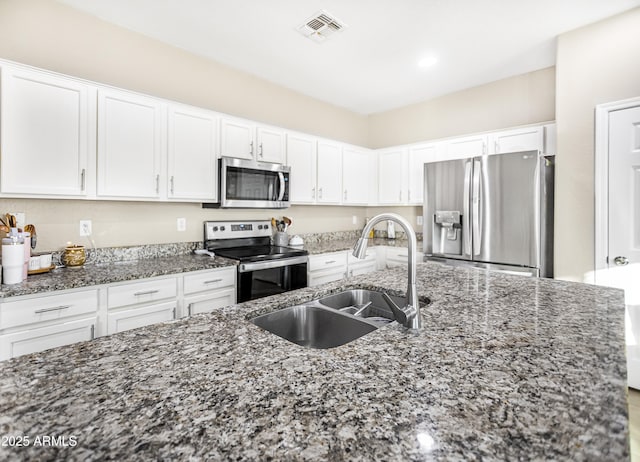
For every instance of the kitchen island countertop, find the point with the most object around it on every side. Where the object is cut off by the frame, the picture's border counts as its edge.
(505, 368)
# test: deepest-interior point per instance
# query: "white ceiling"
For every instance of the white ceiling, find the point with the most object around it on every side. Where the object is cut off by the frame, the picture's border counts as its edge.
(370, 66)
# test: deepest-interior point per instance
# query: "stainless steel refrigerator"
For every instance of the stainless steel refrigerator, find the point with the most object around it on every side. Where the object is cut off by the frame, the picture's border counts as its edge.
(494, 212)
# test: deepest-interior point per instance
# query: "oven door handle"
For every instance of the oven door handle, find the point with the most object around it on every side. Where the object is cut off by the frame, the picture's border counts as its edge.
(262, 265)
(282, 185)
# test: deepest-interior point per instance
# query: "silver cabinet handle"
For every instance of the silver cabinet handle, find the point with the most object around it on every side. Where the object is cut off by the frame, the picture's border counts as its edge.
(260, 152)
(313, 193)
(329, 262)
(212, 281)
(189, 308)
(93, 331)
(174, 312)
(171, 184)
(146, 292)
(621, 261)
(157, 184)
(345, 194)
(251, 148)
(55, 308)
(497, 147)
(320, 193)
(82, 179)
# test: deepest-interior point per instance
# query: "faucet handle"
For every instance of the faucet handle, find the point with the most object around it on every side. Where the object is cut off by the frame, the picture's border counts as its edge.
(398, 313)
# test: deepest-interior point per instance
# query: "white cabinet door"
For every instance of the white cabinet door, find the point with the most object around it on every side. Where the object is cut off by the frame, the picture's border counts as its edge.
(466, 147)
(236, 138)
(392, 177)
(46, 133)
(521, 139)
(418, 156)
(301, 157)
(192, 159)
(329, 172)
(209, 301)
(271, 144)
(127, 319)
(356, 175)
(43, 338)
(129, 145)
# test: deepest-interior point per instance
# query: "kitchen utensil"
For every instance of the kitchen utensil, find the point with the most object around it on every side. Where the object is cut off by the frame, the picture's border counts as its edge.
(287, 223)
(32, 230)
(274, 223)
(4, 228)
(12, 222)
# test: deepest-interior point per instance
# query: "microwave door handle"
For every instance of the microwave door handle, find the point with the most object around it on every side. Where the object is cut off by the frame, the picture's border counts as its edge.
(282, 185)
(466, 219)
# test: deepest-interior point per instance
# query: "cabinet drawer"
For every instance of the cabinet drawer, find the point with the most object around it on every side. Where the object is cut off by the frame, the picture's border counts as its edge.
(327, 261)
(322, 277)
(205, 303)
(139, 317)
(141, 292)
(51, 307)
(32, 340)
(370, 256)
(210, 280)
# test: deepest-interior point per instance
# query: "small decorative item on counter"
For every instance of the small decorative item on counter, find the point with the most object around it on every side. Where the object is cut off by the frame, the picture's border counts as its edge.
(12, 258)
(296, 241)
(74, 256)
(45, 260)
(34, 263)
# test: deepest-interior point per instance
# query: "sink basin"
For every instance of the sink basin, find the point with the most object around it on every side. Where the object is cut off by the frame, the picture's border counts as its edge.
(352, 301)
(313, 326)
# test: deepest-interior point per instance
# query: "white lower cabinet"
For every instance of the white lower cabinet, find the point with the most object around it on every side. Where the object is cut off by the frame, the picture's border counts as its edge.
(141, 303)
(134, 317)
(396, 256)
(326, 267)
(357, 266)
(208, 290)
(35, 323)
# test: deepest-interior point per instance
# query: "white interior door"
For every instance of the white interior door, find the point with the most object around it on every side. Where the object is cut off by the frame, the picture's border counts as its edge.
(624, 225)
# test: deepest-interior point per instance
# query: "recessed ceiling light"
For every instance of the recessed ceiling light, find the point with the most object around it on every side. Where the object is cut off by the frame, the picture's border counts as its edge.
(427, 61)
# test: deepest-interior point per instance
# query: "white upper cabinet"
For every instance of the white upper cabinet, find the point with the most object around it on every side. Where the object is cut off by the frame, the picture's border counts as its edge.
(465, 147)
(244, 139)
(418, 156)
(130, 145)
(356, 176)
(329, 172)
(392, 174)
(270, 144)
(301, 157)
(47, 134)
(191, 158)
(519, 139)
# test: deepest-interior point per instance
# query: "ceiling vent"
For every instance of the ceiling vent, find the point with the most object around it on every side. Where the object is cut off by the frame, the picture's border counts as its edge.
(320, 26)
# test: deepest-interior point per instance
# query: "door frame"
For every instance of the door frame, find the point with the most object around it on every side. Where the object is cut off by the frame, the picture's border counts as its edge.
(601, 174)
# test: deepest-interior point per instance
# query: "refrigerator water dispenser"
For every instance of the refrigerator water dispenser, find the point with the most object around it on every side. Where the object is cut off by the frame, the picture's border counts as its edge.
(447, 232)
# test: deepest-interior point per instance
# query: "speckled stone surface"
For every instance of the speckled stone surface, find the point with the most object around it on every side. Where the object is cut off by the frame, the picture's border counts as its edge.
(337, 245)
(106, 273)
(505, 368)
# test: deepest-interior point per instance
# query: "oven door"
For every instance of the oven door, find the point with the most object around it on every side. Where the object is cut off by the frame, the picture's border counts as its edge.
(249, 184)
(261, 279)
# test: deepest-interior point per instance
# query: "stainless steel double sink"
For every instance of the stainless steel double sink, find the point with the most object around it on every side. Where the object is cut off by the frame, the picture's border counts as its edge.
(330, 321)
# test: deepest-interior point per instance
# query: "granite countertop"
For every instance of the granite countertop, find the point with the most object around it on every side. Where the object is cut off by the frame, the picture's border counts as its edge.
(118, 271)
(505, 368)
(105, 273)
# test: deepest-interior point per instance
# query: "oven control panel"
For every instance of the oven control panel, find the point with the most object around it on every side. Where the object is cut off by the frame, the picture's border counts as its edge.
(236, 229)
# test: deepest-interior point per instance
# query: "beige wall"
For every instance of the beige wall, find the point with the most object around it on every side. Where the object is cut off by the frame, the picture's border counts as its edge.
(520, 100)
(595, 64)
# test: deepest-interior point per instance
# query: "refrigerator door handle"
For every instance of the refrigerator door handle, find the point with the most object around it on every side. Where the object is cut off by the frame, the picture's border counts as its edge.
(476, 199)
(466, 223)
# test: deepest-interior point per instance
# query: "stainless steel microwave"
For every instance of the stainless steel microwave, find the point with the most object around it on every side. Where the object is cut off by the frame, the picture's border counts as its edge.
(252, 184)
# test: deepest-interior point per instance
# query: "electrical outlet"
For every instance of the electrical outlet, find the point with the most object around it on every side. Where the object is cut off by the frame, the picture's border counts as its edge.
(419, 220)
(181, 224)
(354, 219)
(85, 228)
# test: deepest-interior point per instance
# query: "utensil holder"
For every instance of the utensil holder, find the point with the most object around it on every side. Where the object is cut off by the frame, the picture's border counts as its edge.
(74, 256)
(281, 239)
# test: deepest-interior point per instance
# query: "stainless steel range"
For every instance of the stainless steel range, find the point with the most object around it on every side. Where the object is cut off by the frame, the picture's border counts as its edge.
(263, 269)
